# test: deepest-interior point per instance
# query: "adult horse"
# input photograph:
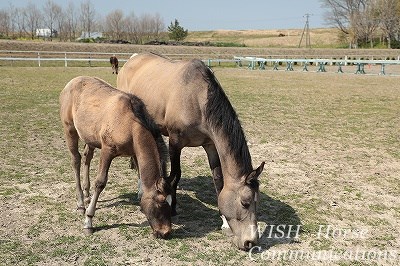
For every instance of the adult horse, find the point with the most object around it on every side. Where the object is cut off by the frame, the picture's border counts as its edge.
(188, 104)
(114, 64)
(118, 124)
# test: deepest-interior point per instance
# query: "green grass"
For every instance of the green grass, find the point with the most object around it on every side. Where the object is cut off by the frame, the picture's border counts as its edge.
(331, 143)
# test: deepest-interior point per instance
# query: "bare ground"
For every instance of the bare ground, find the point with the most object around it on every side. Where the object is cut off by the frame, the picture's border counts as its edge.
(331, 146)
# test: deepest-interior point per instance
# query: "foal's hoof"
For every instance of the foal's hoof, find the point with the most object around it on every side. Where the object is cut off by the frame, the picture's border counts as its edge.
(88, 231)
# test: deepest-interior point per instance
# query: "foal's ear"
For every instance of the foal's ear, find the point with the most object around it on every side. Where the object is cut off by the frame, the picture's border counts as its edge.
(252, 178)
(160, 185)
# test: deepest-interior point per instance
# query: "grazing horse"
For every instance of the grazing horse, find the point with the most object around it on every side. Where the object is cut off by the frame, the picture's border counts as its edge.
(118, 124)
(114, 64)
(189, 105)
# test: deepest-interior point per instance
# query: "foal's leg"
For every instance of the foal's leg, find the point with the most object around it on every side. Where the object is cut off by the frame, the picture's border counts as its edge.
(88, 156)
(100, 183)
(175, 175)
(72, 138)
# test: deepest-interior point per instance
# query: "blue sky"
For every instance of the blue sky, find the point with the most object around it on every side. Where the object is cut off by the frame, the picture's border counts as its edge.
(210, 14)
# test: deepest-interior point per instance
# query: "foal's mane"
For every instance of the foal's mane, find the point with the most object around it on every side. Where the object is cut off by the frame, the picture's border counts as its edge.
(222, 117)
(140, 111)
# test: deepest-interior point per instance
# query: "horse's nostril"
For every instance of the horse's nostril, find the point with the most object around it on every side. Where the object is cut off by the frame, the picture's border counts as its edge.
(248, 245)
(160, 234)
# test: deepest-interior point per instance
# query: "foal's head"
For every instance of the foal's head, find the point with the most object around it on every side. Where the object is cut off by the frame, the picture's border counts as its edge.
(156, 205)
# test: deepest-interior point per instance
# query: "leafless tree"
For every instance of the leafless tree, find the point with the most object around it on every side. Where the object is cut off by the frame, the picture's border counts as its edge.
(389, 16)
(115, 24)
(52, 13)
(71, 21)
(131, 26)
(158, 24)
(345, 15)
(87, 16)
(33, 16)
(366, 23)
(5, 22)
(20, 20)
(360, 20)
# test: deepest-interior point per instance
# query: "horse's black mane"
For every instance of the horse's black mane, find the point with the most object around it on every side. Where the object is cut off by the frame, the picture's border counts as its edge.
(140, 111)
(222, 117)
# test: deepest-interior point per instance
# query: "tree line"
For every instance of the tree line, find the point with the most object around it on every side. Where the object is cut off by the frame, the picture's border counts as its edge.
(68, 23)
(364, 22)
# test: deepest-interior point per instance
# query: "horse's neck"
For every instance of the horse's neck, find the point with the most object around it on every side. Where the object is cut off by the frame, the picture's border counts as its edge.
(232, 167)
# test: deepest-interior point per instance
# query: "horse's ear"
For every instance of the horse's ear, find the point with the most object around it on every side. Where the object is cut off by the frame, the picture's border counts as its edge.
(252, 178)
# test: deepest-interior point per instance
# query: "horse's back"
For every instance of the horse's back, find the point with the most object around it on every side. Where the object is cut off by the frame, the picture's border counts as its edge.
(173, 91)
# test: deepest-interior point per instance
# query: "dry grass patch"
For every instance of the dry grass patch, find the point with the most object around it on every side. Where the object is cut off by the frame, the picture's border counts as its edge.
(331, 143)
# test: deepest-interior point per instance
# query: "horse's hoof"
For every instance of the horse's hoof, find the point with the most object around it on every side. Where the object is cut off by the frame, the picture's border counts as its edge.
(81, 210)
(87, 200)
(88, 231)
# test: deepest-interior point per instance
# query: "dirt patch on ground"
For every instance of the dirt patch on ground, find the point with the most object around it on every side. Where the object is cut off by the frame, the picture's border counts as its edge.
(331, 145)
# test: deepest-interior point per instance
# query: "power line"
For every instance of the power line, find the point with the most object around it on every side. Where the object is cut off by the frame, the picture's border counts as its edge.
(306, 31)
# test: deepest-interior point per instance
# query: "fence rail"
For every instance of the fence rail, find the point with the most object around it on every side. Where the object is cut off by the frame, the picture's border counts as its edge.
(360, 64)
(253, 62)
(87, 57)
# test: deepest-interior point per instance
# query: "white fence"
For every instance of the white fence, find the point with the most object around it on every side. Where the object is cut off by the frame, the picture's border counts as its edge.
(252, 62)
(42, 56)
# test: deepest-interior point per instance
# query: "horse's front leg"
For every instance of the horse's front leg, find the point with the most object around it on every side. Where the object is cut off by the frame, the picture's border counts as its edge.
(88, 156)
(215, 166)
(175, 175)
(100, 184)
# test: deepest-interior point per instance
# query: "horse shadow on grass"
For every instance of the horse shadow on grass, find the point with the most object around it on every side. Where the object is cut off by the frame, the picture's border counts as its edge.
(278, 222)
(198, 214)
(127, 199)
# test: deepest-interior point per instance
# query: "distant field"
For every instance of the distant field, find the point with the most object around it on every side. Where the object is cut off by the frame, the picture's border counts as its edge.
(332, 149)
(262, 43)
(285, 38)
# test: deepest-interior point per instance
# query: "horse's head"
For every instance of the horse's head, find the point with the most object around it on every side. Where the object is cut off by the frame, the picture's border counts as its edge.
(237, 202)
(156, 205)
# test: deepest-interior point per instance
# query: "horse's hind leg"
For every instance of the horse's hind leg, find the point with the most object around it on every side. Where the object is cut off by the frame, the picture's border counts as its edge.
(88, 156)
(100, 183)
(72, 142)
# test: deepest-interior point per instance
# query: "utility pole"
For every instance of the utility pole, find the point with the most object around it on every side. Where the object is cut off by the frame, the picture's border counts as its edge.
(306, 31)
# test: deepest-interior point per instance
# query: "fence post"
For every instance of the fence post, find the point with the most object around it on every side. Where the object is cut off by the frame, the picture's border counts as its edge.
(38, 55)
(65, 62)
